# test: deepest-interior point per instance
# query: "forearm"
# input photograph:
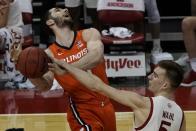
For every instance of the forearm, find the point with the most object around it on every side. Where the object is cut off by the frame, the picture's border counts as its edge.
(94, 83)
(127, 98)
(118, 95)
(82, 76)
(41, 83)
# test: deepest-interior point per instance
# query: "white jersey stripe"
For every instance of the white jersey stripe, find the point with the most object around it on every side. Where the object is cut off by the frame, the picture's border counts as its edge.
(149, 116)
(77, 116)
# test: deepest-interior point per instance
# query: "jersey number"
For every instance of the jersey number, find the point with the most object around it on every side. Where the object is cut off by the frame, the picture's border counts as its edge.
(163, 125)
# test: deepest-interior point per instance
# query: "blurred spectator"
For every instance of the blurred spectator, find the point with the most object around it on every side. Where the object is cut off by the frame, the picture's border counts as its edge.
(193, 7)
(27, 13)
(189, 28)
(189, 35)
(45, 33)
(74, 7)
(11, 36)
(154, 21)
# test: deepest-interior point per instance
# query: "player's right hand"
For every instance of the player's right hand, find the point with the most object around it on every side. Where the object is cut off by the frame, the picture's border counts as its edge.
(15, 51)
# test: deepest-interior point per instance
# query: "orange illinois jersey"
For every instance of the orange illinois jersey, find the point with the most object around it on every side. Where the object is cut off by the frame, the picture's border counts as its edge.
(77, 50)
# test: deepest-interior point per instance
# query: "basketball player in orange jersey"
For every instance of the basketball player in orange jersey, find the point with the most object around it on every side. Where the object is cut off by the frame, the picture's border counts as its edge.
(88, 111)
(159, 113)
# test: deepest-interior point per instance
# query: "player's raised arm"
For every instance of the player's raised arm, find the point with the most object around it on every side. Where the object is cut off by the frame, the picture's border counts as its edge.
(95, 50)
(94, 83)
(4, 10)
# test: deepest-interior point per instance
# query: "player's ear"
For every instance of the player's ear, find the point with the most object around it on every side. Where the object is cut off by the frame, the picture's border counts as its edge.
(165, 85)
(50, 22)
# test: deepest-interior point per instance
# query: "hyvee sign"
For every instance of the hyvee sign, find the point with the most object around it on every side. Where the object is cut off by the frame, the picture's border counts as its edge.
(130, 65)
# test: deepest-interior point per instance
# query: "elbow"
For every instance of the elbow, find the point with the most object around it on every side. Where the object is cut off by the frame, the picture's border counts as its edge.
(98, 58)
(94, 61)
(97, 61)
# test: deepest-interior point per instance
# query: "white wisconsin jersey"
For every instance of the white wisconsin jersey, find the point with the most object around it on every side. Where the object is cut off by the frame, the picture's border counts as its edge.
(165, 115)
(15, 15)
(10, 36)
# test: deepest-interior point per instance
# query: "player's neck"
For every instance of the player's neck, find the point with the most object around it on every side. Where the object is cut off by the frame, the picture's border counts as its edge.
(64, 36)
(167, 94)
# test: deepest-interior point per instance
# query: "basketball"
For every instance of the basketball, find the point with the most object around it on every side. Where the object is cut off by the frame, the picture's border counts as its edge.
(33, 62)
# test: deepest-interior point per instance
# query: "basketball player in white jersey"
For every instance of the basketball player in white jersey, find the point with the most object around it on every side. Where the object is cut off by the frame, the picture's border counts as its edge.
(16, 79)
(159, 113)
(11, 35)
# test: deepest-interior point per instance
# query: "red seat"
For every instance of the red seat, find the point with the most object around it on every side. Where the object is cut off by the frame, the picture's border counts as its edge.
(135, 38)
(120, 17)
(116, 17)
(121, 53)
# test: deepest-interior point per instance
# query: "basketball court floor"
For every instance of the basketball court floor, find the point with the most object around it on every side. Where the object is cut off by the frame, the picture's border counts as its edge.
(36, 111)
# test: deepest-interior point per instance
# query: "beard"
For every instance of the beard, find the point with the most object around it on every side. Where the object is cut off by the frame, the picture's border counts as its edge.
(63, 22)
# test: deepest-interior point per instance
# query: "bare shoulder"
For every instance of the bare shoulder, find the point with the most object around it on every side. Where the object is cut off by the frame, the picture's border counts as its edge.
(91, 34)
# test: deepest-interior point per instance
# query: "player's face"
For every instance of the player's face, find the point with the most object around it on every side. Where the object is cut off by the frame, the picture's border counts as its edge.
(58, 12)
(60, 15)
(156, 79)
